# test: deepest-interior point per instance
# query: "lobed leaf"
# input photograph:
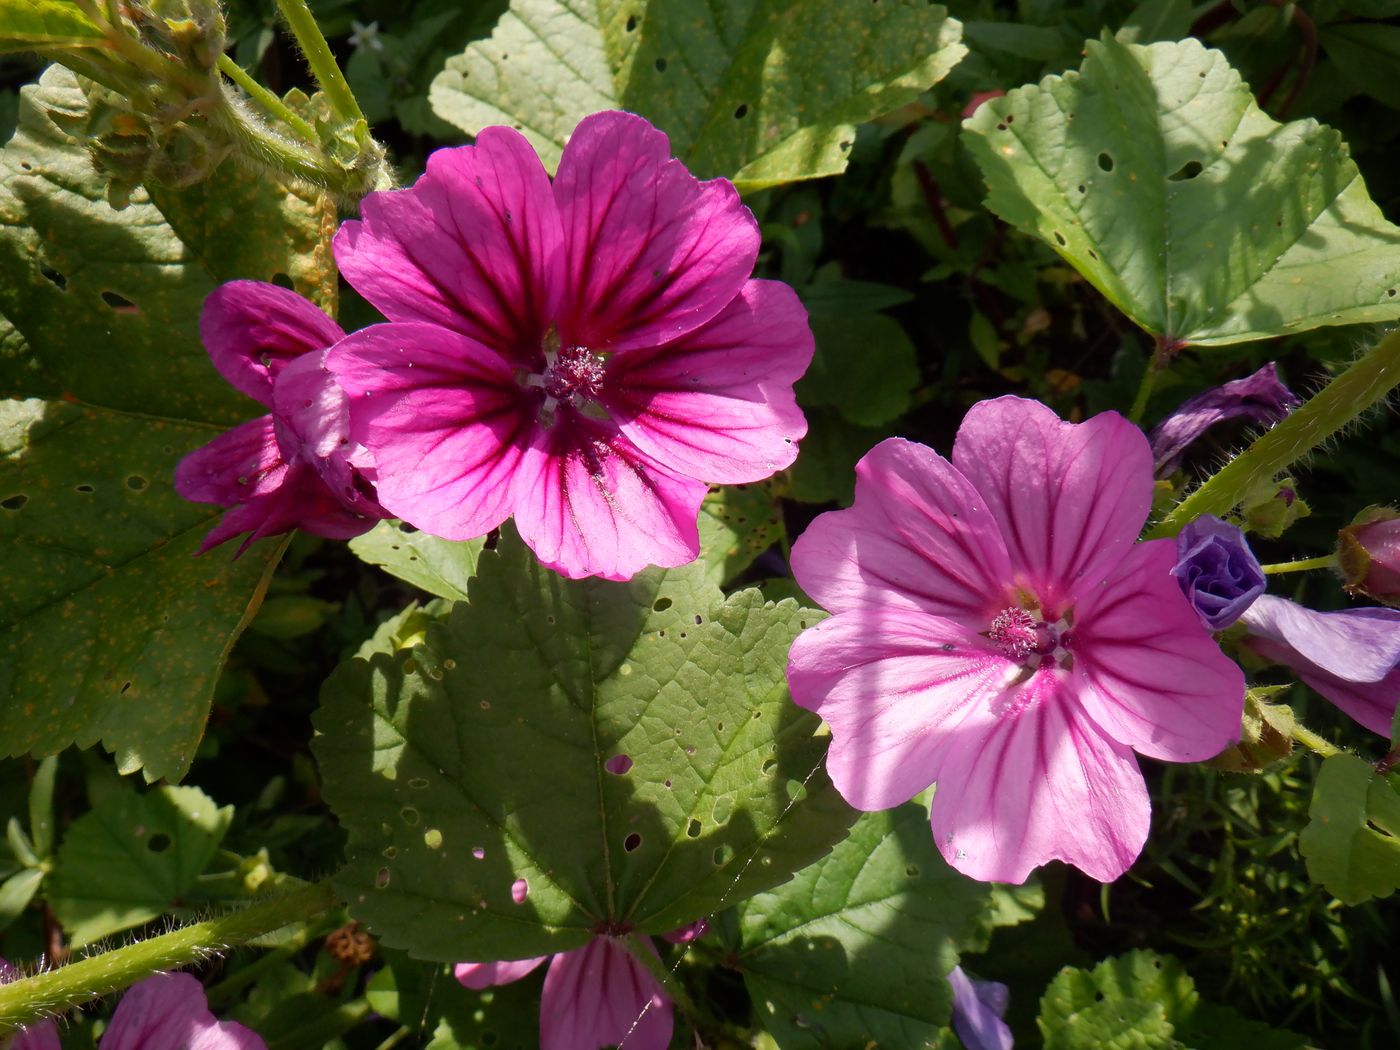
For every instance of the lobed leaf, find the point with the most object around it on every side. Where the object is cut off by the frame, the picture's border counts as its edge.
(1352, 840)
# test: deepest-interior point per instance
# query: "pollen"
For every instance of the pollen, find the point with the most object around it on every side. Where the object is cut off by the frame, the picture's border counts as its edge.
(1015, 632)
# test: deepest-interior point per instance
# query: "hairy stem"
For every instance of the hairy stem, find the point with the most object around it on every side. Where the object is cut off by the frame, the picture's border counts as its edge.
(1313, 742)
(270, 103)
(318, 56)
(261, 143)
(1326, 561)
(45, 994)
(1362, 385)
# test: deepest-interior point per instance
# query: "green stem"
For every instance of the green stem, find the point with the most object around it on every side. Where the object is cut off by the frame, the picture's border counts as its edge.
(271, 104)
(318, 56)
(395, 1039)
(45, 994)
(1362, 385)
(263, 145)
(226, 991)
(1326, 561)
(1162, 353)
(1313, 742)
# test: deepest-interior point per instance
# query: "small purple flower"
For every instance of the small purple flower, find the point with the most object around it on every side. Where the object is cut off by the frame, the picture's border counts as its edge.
(1259, 398)
(978, 1009)
(1217, 571)
(1351, 657)
(295, 468)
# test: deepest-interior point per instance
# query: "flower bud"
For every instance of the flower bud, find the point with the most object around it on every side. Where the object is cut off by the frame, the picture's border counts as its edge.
(1217, 571)
(1368, 553)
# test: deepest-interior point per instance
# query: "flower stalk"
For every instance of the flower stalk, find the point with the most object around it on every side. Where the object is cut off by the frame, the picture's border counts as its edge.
(1326, 561)
(318, 55)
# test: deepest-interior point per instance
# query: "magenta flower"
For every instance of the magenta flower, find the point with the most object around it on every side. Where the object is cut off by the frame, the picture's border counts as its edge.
(998, 630)
(295, 468)
(583, 355)
(164, 1012)
(595, 996)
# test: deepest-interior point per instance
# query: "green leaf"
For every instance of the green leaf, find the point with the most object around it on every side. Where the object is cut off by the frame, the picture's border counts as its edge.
(41, 806)
(1368, 55)
(737, 524)
(864, 365)
(134, 857)
(26, 25)
(482, 777)
(110, 629)
(759, 91)
(1155, 174)
(426, 998)
(16, 892)
(855, 950)
(438, 566)
(1352, 840)
(825, 468)
(1154, 20)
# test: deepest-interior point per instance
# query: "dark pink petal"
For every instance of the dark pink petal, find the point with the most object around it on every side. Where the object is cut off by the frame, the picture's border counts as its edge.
(169, 1012)
(1372, 704)
(717, 404)
(1032, 779)
(474, 245)
(444, 419)
(298, 500)
(1356, 645)
(1146, 670)
(895, 686)
(1071, 498)
(251, 329)
(488, 974)
(588, 504)
(600, 996)
(918, 538)
(651, 252)
(236, 466)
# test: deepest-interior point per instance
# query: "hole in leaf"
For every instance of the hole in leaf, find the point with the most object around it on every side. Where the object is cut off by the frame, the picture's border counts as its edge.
(618, 764)
(1189, 170)
(381, 878)
(1105, 162)
(519, 890)
(136, 483)
(912, 871)
(631, 842)
(1060, 239)
(1093, 254)
(159, 842)
(432, 838)
(742, 111)
(410, 816)
(722, 855)
(693, 828)
(282, 280)
(57, 279)
(119, 302)
(661, 65)
(14, 502)
(845, 147)
(769, 764)
(700, 619)
(1082, 188)
(85, 488)
(1390, 292)
(661, 605)
(478, 853)
(125, 687)
(631, 23)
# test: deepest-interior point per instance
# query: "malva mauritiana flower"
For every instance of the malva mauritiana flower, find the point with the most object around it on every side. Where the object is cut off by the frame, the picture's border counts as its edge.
(595, 996)
(999, 631)
(295, 468)
(1258, 398)
(1217, 571)
(165, 1012)
(978, 1009)
(584, 355)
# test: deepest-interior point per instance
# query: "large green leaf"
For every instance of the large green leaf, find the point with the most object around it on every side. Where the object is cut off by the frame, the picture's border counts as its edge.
(134, 857)
(556, 755)
(759, 91)
(1352, 841)
(110, 629)
(855, 950)
(438, 566)
(29, 24)
(1155, 174)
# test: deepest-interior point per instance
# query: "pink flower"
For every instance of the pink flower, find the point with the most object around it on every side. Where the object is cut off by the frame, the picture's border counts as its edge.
(296, 467)
(595, 996)
(999, 631)
(584, 355)
(164, 1012)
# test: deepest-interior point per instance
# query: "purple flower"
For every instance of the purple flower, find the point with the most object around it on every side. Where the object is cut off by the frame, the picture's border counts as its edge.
(978, 1009)
(1259, 398)
(164, 1012)
(595, 996)
(295, 468)
(583, 355)
(1368, 553)
(999, 630)
(1217, 571)
(1351, 657)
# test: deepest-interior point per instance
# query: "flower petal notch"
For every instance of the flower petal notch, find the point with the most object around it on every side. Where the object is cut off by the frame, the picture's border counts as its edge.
(998, 631)
(1155, 174)
(585, 355)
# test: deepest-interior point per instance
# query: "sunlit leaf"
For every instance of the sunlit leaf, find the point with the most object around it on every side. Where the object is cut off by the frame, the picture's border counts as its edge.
(1352, 840)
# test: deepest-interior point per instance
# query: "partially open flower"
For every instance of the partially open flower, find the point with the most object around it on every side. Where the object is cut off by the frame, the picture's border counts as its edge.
(1368, 552)
(1259, 398)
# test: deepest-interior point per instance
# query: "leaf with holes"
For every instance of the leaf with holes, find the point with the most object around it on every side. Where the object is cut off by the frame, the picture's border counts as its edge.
(558, 755)
(737, 524)
(1352, 840)
(856, 949)
(27, 25)
(110, 629)
(134, 857)
(759, 91)
(1155, 174)
(438, 566)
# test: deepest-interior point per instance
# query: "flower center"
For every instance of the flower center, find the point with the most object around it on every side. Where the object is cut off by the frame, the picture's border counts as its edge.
(574, 372)
(1022, 635)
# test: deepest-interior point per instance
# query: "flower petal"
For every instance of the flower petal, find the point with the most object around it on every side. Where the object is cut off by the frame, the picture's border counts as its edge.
(42, 1035)
(918, 537)
(894, 686)
(1258, 398)
(299, 499)
(599, 996)
(1032, 779)
(717, 404)
(487, 974)
(444, 419)
(588, 504)
(474, 245)
(251, 329)
(651, 252)
(1071, 498)
(1372, 704)
(237, 465)
(1355, 645)
(169, 1012)
(1147, 671)
(976, 1016)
